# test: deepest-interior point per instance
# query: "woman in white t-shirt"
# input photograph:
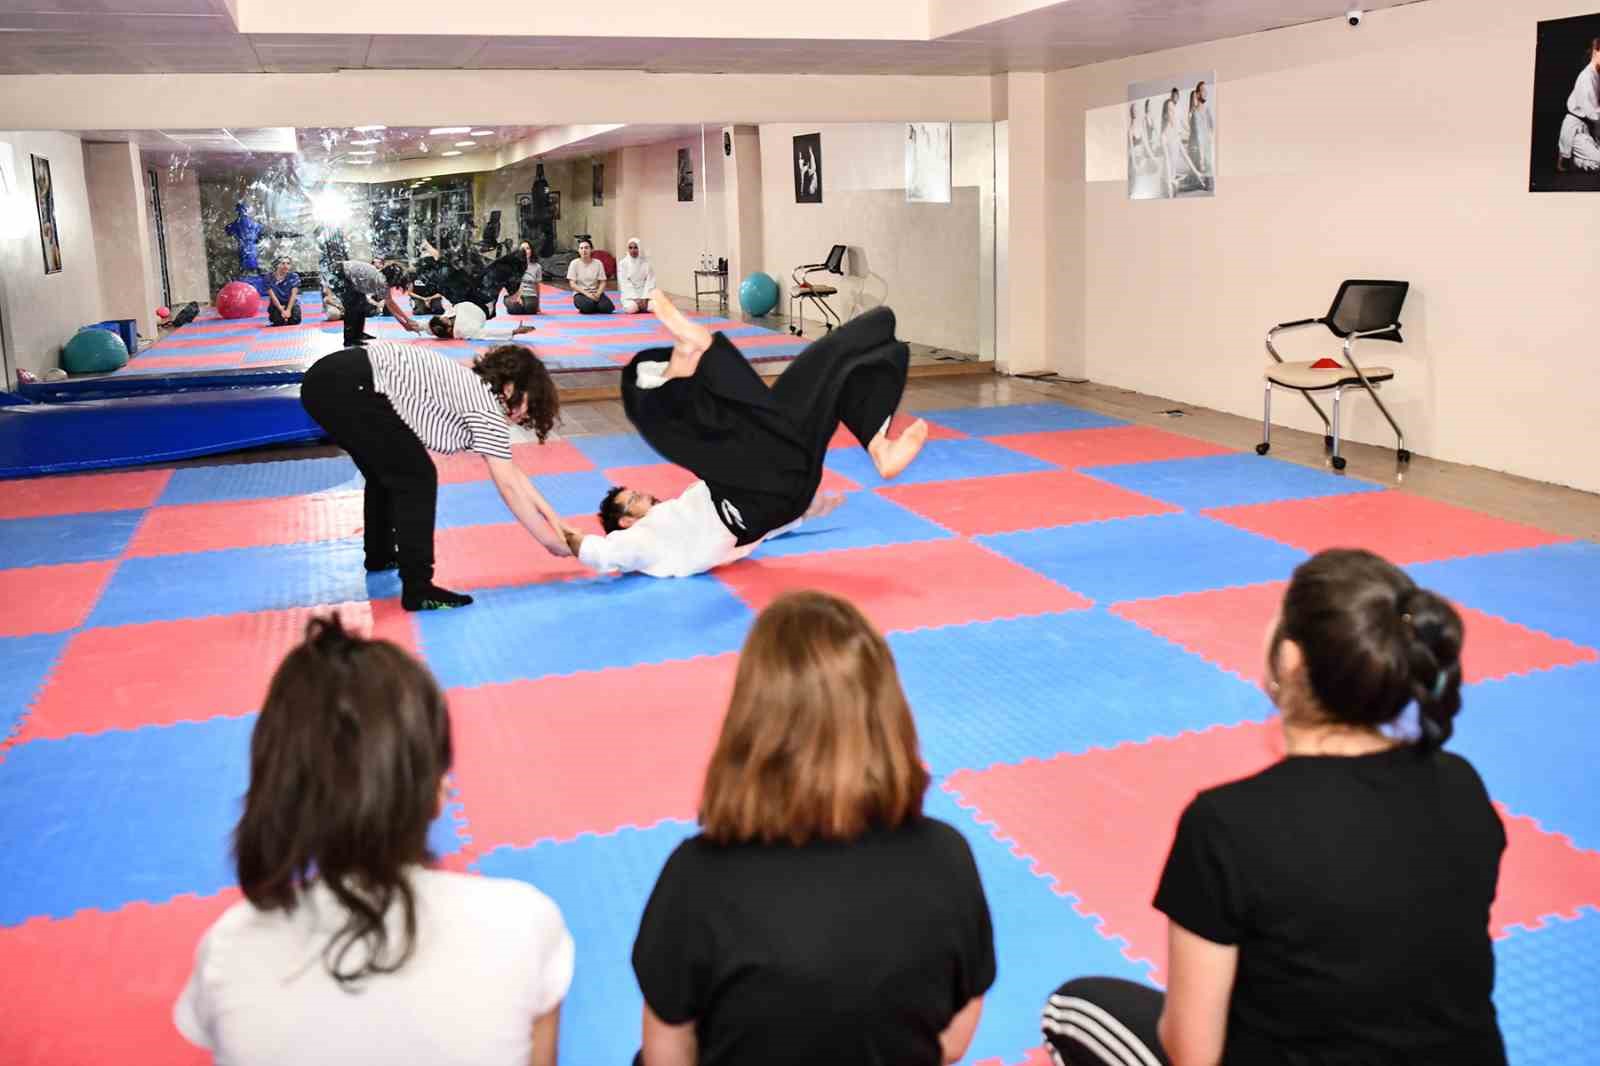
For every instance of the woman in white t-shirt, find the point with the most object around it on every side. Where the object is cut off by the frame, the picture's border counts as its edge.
(587, 275)
(346, 948)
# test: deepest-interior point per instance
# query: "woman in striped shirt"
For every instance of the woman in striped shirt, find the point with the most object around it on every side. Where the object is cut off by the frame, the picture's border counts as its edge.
(389, 404)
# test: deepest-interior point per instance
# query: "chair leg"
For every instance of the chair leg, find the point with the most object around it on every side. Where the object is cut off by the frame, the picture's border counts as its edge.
(1266, 421)
(1338, 460)
(1327, 435)
(1401, 453)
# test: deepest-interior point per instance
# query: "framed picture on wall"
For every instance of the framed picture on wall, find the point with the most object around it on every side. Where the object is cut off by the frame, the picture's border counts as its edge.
(599, 184)
(555, 205)
(928, 162)
(1172, 137)
(49, 235)
(808, 168)
(685, 176)
(1566, 107)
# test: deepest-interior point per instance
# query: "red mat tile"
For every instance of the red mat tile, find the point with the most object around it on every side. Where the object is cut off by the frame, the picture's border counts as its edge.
(99, 988)
(590, 752)
(908, 586)
(1396, 525)
(81, 493)
(157, 673)
(1108, 446)
(665, 480)
(1012, 502)
(1076, 817)
(48, 599)
(1541, 875)
(1228, 628)
(843, 438)
(551, 457)
(197, 527)
(477, 557)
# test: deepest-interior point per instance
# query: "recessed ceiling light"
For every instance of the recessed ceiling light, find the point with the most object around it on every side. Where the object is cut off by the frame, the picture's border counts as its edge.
(466, 144)
(359, 162)
(369, 140)
(450, 153)
(369, 129)
(367, 151)
(483, 133)
(437, 130)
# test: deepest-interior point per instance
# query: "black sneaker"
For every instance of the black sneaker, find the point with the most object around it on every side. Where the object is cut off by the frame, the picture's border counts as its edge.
(433, 598)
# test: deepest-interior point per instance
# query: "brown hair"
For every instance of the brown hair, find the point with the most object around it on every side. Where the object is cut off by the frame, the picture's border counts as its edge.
(345, 764)
(818, 742)
(525, 372)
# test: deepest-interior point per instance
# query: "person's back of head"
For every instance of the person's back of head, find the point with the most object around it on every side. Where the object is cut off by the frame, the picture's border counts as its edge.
(1370, 642)
(612, 509)
(515, 374)
(396, 275)
(818, 742)
(346, 762)
(440, 327)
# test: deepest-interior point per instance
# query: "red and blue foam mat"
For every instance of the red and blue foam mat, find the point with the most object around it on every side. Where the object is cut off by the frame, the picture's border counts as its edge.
(1077, 623)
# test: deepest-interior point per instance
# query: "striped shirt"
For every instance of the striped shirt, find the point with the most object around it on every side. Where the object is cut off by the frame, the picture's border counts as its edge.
(448, 406)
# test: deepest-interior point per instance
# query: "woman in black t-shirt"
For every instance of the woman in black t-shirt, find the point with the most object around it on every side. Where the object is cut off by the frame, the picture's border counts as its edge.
(1333, 909)
(819, 917)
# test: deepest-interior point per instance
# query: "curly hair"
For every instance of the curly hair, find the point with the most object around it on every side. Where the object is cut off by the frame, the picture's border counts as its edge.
(525, 372)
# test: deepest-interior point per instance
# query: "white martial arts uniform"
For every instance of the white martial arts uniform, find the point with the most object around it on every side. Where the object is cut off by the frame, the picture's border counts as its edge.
(1580, 130)
(466, 320)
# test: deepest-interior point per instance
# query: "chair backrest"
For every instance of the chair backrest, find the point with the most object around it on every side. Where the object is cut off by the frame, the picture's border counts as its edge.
(835, 263)
(1363, 306)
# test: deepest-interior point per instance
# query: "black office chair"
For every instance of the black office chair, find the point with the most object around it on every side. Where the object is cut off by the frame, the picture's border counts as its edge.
(803, 290)
(1362, 310)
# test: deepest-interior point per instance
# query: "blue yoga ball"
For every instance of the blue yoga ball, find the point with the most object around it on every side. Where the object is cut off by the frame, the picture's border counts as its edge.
(758, 294)
(93, 351)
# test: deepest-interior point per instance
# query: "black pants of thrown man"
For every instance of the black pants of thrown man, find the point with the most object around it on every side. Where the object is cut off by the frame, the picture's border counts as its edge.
(402, 483)
(761, 450)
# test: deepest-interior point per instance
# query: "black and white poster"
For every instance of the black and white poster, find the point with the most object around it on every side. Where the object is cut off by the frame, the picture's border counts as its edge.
(1172, 138)
(1566, 107)
(685, 176)
(599, 185)
(808, 168)
(928, 162)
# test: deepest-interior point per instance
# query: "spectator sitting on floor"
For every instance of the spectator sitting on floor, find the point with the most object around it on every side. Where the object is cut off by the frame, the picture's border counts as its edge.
(587, 276)
(525, 301)
(283, 295)
(635, 278)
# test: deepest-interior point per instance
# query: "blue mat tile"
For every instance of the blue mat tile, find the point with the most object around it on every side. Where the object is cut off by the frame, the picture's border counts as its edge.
(100, 821)
(1534, 741)
(864, 520)
(776, 351)
(233, 581)
(298, 357)
(1545, 995)
(1227, 480)
(617, 449)
(1072, 682)
(1551, 589)
(939, 460)
(601, 885)
(1157, 555)
(1039, 941)
(584, 624)
(1018, 418)
(254, 481)
(478, 503)
(185, 334)
(70, 538)
(25, 663)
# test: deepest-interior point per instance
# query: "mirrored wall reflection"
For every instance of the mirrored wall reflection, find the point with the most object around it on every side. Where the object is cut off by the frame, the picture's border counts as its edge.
(785, 226)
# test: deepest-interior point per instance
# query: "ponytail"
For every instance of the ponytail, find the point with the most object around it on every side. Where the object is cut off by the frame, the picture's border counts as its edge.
(1431, 631)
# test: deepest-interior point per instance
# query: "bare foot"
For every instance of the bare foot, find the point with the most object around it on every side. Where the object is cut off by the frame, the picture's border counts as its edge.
(691, 338)
(893, 456)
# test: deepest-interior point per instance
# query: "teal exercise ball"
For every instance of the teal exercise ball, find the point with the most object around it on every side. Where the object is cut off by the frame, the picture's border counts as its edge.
(94, 351)
(758, 294)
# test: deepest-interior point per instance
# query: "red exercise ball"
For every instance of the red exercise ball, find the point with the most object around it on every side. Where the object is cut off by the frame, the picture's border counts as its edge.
(608, 261)
(163, 312)
(238, 299)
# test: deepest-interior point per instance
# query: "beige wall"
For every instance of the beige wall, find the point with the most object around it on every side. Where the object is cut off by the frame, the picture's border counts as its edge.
(41, 312)
(927, 261)
(122, 233)
(674, 234)
(1398, 150)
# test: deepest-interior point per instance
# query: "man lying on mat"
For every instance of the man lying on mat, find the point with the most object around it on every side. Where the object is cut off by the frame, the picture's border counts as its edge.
(758, 452)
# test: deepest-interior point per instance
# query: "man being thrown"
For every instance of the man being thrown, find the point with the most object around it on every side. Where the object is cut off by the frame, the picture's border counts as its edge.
(759, 452)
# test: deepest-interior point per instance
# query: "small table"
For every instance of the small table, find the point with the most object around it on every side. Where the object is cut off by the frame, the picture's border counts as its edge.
(719, 287)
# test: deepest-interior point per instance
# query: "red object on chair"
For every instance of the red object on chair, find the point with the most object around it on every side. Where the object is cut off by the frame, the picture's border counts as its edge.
(1327, 364)
(608, 261)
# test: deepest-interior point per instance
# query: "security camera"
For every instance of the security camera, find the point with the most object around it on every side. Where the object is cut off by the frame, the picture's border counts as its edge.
(1353, 16)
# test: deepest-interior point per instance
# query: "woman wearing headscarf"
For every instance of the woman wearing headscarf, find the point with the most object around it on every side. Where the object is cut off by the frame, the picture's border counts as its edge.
(635, 277)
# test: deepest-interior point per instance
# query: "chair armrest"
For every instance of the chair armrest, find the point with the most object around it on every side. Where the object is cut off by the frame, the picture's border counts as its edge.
(1280, 327)
(1299, 322)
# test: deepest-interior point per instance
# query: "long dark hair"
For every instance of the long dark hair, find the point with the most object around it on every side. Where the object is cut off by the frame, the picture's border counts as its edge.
(1373, 642)
(345, 764)
(525, 372)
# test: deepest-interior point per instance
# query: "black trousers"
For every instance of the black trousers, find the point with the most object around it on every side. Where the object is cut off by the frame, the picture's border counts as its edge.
(586, 306)
(1097, 1020)
(402, 483)
(504, 273)
(276, 317)
(355, 313)
(762, 449)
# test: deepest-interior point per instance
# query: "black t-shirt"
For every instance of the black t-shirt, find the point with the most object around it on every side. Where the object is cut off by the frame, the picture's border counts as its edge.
(1357, 891)
(828, 953)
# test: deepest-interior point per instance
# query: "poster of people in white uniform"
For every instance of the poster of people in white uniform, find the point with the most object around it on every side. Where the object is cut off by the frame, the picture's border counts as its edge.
(1566, 107)
(1172, 137)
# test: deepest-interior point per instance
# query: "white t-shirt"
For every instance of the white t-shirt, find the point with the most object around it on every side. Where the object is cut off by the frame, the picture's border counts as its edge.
(586, 277)
(491, 956)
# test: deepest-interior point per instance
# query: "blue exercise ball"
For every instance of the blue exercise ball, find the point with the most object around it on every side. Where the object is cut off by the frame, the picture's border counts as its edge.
(758, 294)
(94, 351)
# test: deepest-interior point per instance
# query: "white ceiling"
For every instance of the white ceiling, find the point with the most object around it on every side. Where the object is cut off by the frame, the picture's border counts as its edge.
(197, 36)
